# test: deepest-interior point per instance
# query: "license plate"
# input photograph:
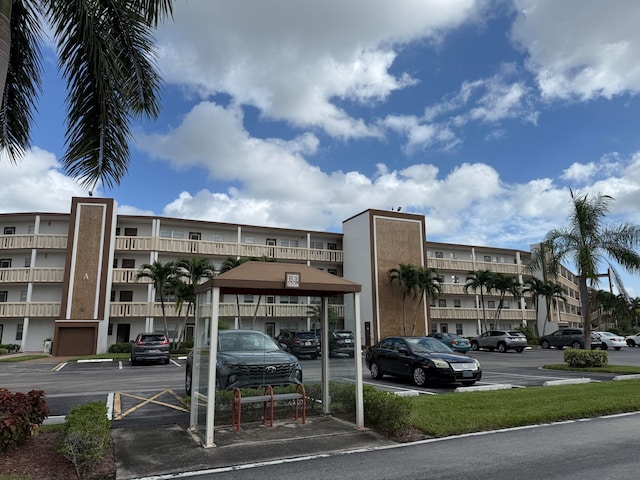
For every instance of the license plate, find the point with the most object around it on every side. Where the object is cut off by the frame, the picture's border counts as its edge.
(467, 373)
(307, 343)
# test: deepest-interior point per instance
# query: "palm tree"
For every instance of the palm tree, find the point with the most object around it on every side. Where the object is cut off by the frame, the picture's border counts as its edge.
(550, 291)
(534, 286)
(588, 241)
(162, 276)
(427, 284)
(407, 277)
(635, 310)
(480, 280)
(504, 284)
(105, 52)
(189, 274)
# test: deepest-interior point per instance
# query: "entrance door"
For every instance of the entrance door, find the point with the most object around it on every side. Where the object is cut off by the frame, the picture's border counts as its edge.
(123, 333)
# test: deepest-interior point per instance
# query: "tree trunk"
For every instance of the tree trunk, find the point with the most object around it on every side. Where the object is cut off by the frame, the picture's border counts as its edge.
(5, 43)
(586, 313)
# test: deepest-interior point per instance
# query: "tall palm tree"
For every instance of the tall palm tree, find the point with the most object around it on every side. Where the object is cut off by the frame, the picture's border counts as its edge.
(162, 276)
(534, 286)
(189, 274)
(427, 285)
(406, 275)
(480, 280)
(589, 242)
(105, 53)
(504, 284)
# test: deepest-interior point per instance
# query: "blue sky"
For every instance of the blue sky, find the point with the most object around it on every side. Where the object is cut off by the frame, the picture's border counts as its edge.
(480, 115)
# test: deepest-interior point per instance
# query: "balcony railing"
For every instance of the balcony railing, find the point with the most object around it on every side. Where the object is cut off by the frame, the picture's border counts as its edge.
(466, 266)
(31, 309)
(25, 242)
(247, 310)
(203, 247)
(31, 275)
(445, 313)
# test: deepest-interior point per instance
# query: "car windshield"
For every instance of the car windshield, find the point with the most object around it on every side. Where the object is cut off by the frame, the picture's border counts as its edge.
(243, 341)
(427, 345)
(306, 335)
(515, 334)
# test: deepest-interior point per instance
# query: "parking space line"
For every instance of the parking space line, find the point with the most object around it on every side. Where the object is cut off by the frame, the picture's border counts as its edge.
(59, 367)
(175, 363)
(145, 401)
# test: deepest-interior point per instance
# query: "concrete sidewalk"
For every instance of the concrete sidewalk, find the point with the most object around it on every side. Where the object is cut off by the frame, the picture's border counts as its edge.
(172, 449)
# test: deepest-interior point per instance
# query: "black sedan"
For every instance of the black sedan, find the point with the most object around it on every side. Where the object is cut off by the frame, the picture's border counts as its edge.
(248, 358)
(422, 359)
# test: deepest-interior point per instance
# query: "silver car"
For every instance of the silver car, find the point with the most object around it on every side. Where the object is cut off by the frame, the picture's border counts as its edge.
(501, 340)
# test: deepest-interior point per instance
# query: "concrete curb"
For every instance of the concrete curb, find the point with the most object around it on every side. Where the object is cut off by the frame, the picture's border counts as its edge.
(568, 381)
(484, 388)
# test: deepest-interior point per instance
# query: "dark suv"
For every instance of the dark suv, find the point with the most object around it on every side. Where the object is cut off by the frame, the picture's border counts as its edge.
(150, 347)
(300, 343)
(341, 341)
(567, 337)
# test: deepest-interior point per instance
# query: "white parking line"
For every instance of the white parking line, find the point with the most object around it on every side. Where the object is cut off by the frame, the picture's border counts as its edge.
(110, 406)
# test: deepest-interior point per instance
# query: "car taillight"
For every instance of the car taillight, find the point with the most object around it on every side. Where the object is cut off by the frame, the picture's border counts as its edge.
(454, 342)
(165, 341)
(139, 342)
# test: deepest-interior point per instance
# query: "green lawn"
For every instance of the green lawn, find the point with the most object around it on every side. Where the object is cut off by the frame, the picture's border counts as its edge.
(458, 413)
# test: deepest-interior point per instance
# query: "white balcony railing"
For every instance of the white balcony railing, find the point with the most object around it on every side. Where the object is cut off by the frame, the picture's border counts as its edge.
(24, 242)
(29, 275)
(31, 309)
(447, 313)
(466, 266)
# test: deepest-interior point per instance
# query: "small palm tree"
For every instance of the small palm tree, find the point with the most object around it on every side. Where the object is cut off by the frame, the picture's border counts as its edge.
(105, 52)
(427, 285)
(504, 284)
(550, 291)
(589, 242)
(480, 280)
(162, 276)
(406, 276)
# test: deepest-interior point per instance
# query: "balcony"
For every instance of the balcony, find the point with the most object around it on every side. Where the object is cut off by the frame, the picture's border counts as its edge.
(31, 275)
(31, 309)
(201, 247)
(466, 266)
(247, 310)
(444, 313)
(27, 242)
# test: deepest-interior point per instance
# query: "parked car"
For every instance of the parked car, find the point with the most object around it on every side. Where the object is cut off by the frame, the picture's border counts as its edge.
(421, 359)
(501, 340)
(249, 358)
(150, 347)
(633, 340)
(568, 337)
(453, 341)
(341, 342)
(610, 340)
(300, 343)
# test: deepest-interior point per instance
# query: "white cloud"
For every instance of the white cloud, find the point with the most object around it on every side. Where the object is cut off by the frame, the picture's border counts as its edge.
(581, 48)
(36, 184)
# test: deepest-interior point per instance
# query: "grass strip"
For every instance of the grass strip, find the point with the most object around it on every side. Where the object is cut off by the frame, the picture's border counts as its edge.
(458, 413)
(22, 358)
(615, 369)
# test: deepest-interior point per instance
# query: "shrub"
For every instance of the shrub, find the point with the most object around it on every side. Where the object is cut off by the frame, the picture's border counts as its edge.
(386, 412)
(585, 358)
(122, 347)
(86, 435)
(20, 416)
(528, 332)
(3, 351)
(10, 347)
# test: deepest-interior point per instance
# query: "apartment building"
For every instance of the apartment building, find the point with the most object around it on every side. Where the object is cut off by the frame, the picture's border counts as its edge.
(71, 278)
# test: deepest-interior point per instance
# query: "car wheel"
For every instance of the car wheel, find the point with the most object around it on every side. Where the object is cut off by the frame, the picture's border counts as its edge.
(576, 345)
(545, 344)
(187, 381)
(474, 346)
(502, 348)
(419, 377)
(166, 362)
(376, 373)
(617, 348)
(520, 349)
(468, 383)
(631, 343)
(604, 346)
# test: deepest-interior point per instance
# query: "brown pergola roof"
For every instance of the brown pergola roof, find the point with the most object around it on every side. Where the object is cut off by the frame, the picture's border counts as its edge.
(268, 278)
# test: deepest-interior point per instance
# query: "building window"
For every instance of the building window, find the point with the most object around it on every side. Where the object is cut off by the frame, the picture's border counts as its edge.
(439, 255)
(442, 302)
(31, 229)
(491, 304)
(248, 299)
(110, 329)
(195, 236)
(5, 263)
(459, 328)
(432, 302)
(171, 234)
(117, 231)
(27, 262)
(23, 295)
(115, 263)
(3, 295)
(272, 242)
(506, 304)
(456, 302)
(9, 230)
(128, 263)
(271, 299)
(19, 329)
(453, 255)
(250, 239)
(288, 243)
(487, 258)
(130, 232)
(289, 299)
(218, 237)
(444, 327)
(316, 244)
(332, 246)
(126, 296)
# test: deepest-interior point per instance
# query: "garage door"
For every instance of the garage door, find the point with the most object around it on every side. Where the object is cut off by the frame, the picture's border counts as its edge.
(76, 341)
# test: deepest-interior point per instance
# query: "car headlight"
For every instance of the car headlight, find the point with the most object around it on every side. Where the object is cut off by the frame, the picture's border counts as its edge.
(440, 363)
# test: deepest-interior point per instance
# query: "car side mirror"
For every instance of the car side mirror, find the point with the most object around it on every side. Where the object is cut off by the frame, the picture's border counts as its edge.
(284, 346)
